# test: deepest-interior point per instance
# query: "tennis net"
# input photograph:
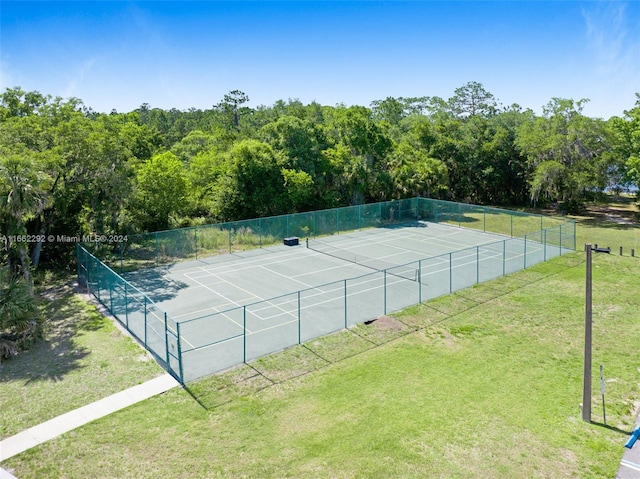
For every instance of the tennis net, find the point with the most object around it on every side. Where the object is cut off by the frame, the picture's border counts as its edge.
(401, 271)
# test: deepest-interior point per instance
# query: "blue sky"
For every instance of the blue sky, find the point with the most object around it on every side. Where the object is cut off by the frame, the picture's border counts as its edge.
(122, 54)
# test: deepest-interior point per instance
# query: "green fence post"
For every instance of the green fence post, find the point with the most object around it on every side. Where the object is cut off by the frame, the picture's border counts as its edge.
(126, 306)
(166, 341)
(484, 219)
(111, 296)
(420, 281)
(145, 321)
(450, 273)
(345, 305)
(504, 257)
(98, 281)
(359, 217)
(287, 227)
(385, 291)
(337, 222)
(260, 232)
(195, 239)
(121, 256)
(511, 216)
(314, 235)
(459, 215)
(299, 321)
(179, 340)
(544, 244)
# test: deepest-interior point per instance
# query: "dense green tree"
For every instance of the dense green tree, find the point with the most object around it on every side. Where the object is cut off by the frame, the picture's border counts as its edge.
(626, 146)
(571, 140)
(161, 190)
(251, 184)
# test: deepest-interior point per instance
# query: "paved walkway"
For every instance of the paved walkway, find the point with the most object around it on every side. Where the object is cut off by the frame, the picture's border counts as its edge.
(55, 427)
(630, 464)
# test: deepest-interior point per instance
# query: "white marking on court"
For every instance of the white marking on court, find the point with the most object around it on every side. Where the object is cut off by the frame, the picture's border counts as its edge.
(285, 276)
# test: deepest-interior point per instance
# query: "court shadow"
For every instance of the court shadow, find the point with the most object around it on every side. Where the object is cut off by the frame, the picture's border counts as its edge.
(156, 283)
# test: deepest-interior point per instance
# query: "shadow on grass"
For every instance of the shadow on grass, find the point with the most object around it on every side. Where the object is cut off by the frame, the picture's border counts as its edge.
(612, 428)
(58, 353)
(318, 353)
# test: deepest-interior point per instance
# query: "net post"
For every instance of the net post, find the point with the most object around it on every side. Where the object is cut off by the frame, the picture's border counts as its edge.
(179, 341)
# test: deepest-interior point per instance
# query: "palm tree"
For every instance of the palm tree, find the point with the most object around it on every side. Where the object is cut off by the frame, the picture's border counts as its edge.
(21, 199)
(19, 318)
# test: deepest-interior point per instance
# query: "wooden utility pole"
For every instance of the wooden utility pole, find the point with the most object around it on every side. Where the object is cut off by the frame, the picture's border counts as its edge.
(586, 390)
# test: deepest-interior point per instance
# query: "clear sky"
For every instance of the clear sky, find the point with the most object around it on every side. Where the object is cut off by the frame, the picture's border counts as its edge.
(121, 54)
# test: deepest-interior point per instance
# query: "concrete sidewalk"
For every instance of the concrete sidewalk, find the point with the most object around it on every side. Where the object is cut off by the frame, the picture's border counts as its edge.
(630, 463)
(66, 422)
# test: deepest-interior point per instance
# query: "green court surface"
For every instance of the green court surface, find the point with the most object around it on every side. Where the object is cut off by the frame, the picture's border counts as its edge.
(231, 308)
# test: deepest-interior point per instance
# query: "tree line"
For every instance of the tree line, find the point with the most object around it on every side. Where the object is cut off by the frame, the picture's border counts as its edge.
(68, 170)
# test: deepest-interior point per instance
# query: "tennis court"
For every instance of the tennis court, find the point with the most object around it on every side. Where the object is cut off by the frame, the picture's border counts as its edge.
(200, 316)
(237, 307)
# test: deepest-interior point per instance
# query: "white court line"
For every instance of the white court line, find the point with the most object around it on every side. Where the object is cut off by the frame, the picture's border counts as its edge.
(222, 296)
(260, 300)
(305, 307)
(285, 276)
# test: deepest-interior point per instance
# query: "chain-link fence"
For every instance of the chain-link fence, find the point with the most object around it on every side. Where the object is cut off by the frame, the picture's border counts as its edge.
(208, 344)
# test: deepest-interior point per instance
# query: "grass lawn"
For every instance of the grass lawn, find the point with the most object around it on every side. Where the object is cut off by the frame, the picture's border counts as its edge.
(84, 358)
(482, 383)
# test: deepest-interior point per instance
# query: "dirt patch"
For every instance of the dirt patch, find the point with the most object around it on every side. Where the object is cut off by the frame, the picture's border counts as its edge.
(387, 323)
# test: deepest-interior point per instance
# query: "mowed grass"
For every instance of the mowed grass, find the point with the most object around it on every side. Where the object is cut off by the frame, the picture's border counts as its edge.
(482, 383)
(83, 358)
